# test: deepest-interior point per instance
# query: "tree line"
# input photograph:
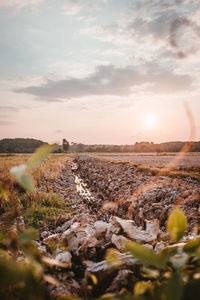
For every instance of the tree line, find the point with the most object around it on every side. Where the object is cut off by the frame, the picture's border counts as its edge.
(137, 147)
(19, 145)
(26, 145)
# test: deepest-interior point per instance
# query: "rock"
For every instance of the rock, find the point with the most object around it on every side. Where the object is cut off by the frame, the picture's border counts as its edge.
(122, 279)
(119, 241)
(52, 238)
(149, 246)
(45, 233)
(66, 225)
(58, 229)
(57, 250)
(73, 228)
(19, 223)
(73, 244)
(42, 248)
(89, 242)
(102, 266)
(79, 239)
(100, 228)
(159, 246)
(153, 227)
(74, 167)
(136, 233)
(113, 228)
(65, 257)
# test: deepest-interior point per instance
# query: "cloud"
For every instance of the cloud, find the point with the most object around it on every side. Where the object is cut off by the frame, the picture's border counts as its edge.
(72, 7)
(5, 123)
(8, 109)
(111, 80)
(19, 4)
(190, 32)
(75, 7)
(151, 23)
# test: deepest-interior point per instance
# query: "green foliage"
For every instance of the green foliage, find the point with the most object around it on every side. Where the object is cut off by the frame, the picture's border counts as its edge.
(25, 180)
(41, 153)
(25, 278)
(171, 274)
(21, 280)
(145, 255)
(39, 207)
(192, 246)
(36, 215)
(65, 145)
(19, 145)
(20, 172)
(172, 289)
(3, 193)
(176, 224)
(141, 287)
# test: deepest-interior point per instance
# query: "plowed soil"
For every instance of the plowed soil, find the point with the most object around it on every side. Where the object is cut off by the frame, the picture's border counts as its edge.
(102, 192)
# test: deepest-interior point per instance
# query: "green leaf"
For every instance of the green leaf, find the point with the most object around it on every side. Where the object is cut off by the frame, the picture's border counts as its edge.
(18, 171)
(113, 258)
(4, 254)
(179, 261)
(141, 287)
(168, 252)
(192, 246)
(28, 235)
(3, 194)
(145, 255)
(26, 182)
(176, 224)
(40, 154)
(173, 289)
(149, 273)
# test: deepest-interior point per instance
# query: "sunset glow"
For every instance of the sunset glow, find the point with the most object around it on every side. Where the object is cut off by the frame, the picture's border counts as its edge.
(149, 122)
(107, 71)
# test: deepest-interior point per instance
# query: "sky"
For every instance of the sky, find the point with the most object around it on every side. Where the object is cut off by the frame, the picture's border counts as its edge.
(99, 71)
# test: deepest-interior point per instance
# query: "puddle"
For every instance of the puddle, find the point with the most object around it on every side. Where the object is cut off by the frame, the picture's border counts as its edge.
(82, 189)
(81, 186)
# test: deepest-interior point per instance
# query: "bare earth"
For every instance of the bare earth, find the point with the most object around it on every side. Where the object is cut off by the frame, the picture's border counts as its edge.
(91, 183)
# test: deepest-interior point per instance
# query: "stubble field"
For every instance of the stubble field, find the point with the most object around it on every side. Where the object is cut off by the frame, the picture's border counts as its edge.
(84, 205)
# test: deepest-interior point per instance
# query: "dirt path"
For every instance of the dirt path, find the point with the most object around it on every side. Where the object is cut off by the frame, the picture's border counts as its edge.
(81, 240)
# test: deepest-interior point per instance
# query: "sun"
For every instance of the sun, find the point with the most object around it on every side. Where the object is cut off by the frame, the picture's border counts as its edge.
(149, 121)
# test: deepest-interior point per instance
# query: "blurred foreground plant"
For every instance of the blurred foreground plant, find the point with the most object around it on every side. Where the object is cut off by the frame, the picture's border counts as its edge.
(171, 274)
(21, 263)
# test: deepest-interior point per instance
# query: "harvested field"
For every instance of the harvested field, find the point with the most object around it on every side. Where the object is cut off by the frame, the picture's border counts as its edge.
(188, 162)
(108, 203)
(93, 185)
(119, 183)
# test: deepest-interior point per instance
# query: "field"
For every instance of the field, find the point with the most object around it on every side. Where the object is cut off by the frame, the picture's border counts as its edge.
(83, 206)
(189, 161)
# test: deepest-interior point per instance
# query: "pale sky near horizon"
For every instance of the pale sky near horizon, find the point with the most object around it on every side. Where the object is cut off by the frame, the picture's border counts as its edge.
(99, 71)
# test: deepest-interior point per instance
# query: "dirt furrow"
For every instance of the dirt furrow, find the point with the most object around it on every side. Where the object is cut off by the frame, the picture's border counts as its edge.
(119, 183)
(81, 240)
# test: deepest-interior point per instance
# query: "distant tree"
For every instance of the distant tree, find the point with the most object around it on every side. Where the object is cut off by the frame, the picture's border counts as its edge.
(158, 150)
(65, 145)
(19, 145)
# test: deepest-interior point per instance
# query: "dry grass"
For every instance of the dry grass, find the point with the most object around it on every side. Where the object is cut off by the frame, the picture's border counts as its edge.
(36, 206)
